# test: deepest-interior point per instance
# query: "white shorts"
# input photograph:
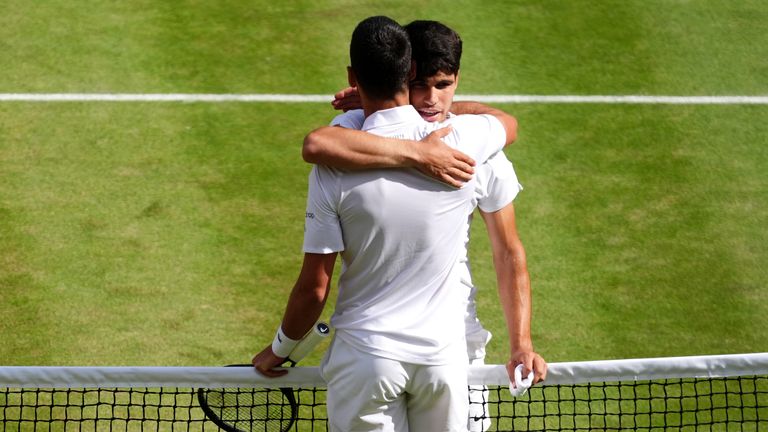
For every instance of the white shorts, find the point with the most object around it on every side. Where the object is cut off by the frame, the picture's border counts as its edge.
(371, 393)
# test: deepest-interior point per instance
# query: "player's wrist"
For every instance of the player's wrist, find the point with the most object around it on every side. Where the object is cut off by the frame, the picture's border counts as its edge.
(522, 348)
(411, 153)
(282, 345)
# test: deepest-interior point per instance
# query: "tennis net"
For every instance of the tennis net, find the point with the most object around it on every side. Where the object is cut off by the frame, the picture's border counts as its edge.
(728, 392)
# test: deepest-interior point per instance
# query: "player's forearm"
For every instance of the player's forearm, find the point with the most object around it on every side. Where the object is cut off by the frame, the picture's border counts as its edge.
(352, 149)
(469, 107)
(309, 294)
(477, 108)
(514, 285)
(515, 296)
(302, 312)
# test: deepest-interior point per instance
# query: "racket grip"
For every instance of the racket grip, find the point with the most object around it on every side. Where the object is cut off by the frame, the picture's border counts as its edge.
(319, 332)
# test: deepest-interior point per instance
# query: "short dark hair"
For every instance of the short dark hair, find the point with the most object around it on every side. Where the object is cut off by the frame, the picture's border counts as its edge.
(380, 55)
(436, 48)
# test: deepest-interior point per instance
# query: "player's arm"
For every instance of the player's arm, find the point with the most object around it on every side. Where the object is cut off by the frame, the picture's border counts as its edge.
(352, 149)
(508, 121)
(305, 305)
(514, 287)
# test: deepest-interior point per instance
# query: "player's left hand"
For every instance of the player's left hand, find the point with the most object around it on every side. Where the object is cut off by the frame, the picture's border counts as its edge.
(266, 361)
(531, 361)
(347, 99)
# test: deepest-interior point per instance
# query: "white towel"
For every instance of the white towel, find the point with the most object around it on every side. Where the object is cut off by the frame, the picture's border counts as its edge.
(520, 385)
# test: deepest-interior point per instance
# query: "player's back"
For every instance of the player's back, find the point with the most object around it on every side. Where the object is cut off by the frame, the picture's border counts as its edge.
(402, 235)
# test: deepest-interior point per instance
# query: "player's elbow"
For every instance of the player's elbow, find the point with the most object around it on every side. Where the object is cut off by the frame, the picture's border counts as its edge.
(511, 255)
(318, 290)
(312, 148)
(310, 295)
(510, 125)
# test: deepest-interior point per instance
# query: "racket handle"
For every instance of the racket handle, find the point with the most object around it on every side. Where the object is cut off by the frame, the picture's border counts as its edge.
(319, 332)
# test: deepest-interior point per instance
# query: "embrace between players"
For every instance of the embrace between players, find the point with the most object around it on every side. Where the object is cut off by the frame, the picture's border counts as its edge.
(405, 319)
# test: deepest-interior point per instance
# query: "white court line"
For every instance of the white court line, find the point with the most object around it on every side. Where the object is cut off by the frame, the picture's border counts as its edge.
(621, 99)
(298, 98)
(159, 97)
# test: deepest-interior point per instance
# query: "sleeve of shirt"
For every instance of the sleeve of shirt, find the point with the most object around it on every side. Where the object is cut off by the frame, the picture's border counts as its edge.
(480, 136)
(498, 183)
(322, 229)
(352, 119)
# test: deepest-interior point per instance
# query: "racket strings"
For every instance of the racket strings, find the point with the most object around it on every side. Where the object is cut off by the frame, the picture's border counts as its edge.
(246, 409)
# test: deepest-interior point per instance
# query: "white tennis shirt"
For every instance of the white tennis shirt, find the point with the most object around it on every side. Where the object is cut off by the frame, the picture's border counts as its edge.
(496, 185)
(400, 235)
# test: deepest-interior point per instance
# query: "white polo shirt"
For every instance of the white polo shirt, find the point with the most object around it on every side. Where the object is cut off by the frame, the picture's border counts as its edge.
(496, 185)
(400, 236)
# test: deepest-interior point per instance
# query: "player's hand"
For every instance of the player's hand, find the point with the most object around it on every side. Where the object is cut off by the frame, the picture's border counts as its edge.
(440, 161)
(531, 361)
(347, 99)
(266, 361)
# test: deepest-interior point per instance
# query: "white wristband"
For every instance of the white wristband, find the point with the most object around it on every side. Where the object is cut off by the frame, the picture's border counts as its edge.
(283, 345)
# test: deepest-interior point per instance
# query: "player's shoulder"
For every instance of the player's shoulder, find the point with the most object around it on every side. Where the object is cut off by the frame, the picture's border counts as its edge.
(476, 128)
(352, 119)
(471, 120)
(500, 167)
(499, 160)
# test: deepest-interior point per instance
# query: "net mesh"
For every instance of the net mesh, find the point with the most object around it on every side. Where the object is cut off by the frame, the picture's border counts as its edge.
(688, 404)
(142, 409)
(720, 401)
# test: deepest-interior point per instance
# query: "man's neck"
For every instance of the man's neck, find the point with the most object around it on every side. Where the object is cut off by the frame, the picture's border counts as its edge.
(370, 106)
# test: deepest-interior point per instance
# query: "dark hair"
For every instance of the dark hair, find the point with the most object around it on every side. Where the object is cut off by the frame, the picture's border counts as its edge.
(380, 55)
(436, 48)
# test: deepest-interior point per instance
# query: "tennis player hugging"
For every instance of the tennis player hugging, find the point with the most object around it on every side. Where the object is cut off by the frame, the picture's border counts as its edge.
(406, 328)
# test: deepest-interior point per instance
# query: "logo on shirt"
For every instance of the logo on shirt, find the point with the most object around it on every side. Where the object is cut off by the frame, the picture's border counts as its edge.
(310, 215)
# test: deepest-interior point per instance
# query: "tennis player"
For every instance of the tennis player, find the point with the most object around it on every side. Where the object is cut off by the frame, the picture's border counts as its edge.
(437, 54)
(398, 358)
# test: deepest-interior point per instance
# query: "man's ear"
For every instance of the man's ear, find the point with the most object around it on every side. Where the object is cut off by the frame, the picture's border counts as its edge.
(457, 77)
(351, 78)
(412, 73)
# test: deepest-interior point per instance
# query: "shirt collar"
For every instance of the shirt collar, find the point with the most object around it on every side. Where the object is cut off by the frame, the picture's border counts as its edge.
(392, 116)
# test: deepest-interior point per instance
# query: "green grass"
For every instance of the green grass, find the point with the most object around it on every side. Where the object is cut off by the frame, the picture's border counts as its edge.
(146, 228)
(170, 233)
(643, 227)
(613, 47)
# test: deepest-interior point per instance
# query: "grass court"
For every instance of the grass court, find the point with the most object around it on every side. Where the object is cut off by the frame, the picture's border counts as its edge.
(169, 233)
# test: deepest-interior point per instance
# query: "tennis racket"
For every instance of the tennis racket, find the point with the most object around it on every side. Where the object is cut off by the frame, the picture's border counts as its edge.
(263, 409)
